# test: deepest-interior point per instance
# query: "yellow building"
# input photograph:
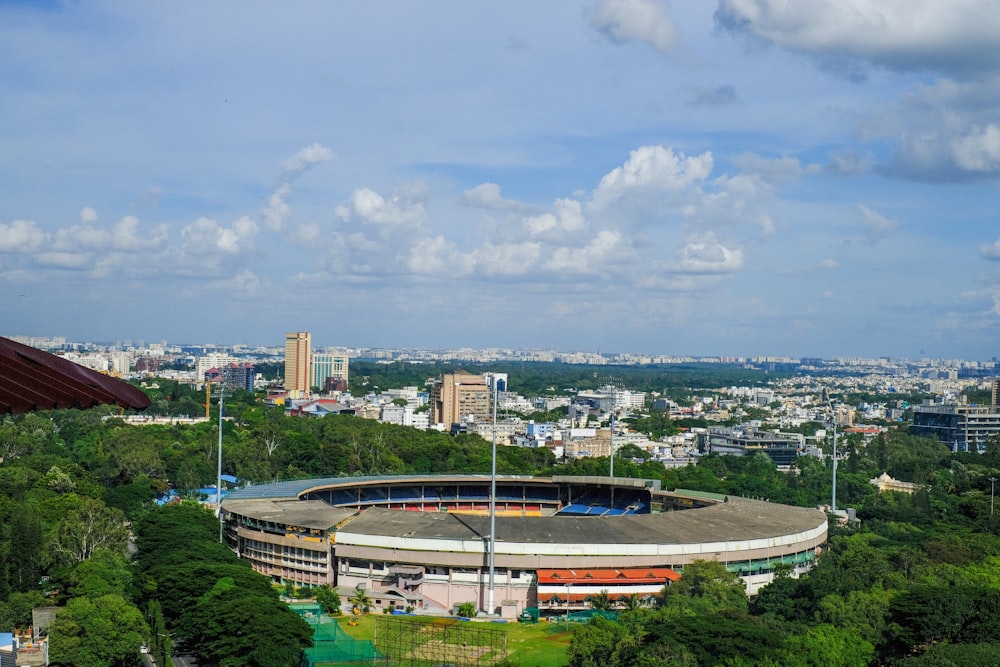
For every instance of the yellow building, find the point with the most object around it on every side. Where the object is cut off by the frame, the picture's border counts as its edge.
(297, 363)
(459, 397)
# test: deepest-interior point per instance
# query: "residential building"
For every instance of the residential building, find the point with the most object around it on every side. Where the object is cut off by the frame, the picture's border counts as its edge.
(297, 358)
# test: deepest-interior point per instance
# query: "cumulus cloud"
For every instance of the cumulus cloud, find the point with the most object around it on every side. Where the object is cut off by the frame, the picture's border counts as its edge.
(437, 255)
(590, 259)
(21, 236)
(207, 237)
(991, 250)
(88, 215)
(403, 206)
(307, 157)
(512, 259)
(567, 217)
(487, 195)
(275, 213)
(652, 169)
(979, 150)
(642, 21)
(707, 255)
(954, 38)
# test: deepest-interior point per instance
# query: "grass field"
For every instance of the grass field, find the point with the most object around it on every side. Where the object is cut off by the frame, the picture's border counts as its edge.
(528, 645)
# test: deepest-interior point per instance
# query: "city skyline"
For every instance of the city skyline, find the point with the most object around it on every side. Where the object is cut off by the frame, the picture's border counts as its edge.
(738, 178)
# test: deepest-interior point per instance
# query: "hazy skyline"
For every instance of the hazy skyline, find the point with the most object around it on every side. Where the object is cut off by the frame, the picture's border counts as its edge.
(744, 177)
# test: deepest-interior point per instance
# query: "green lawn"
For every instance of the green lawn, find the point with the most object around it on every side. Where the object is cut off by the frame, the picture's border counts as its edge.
(530, 645)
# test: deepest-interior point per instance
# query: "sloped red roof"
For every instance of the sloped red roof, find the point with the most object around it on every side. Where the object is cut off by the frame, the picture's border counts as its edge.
(608, 576)
(32, 380)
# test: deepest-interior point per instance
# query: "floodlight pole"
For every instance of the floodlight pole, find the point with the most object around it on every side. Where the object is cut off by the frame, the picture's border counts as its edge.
(611, 472)
(493, 503)
(218, 477)
(833, 422)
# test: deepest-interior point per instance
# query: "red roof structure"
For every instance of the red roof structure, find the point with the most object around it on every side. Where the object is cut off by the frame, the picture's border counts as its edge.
(32, 380)
(637, 575)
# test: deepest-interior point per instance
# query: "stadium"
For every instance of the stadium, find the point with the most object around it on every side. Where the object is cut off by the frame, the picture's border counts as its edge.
(422, 542)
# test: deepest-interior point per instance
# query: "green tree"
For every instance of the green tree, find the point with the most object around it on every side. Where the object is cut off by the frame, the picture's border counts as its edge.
(711, 583)
(105, 572)
(106, 630)
(233, 627)
(85, 530)
(467, 609)
(328, 600)
(24, 559)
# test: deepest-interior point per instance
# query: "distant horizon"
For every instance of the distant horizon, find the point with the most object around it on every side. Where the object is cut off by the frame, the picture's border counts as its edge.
(733, 178)
(279, 345)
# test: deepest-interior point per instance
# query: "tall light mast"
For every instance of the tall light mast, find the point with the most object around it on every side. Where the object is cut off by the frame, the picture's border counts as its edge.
(493, 504)
(218, 477)
(833, 423)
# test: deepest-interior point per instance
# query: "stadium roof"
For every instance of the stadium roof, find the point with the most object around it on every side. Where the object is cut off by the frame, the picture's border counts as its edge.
(32, 380)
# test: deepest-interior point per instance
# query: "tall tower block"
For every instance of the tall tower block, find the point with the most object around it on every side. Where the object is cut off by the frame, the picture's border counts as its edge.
(297, 363)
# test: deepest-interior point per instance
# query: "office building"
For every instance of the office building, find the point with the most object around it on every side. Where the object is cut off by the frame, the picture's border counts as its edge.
(964, 427)
(329, 371)
(297, 358)
(460, 397)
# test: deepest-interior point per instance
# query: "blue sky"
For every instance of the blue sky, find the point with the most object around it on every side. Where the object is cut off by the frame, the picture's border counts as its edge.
(743, 177)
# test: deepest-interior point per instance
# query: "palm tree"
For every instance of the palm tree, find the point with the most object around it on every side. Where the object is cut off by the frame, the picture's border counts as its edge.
(631, 601)
(360, 601)
(601, 601)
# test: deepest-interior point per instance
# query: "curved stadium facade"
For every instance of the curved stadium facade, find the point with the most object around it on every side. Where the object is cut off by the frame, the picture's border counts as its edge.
(422, 541)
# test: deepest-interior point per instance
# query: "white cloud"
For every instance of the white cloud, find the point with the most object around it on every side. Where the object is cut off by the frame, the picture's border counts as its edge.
(275, 213)
(643, 21)
(979, 150)
(71, 261)
(513, 259)
(593, 258)
(829, 263)
(206, 237)
(652, 168)
(707, 255)
(21, 236)
(88, 215)
(403, 206)
(438, 256)
(307, 157)
(568, 217)
(959, 36)
(487, 195)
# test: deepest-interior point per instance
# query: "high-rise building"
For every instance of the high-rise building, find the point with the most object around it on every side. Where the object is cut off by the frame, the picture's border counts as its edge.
(329, 370)
(297, 358)
(460, 397)
(964, 427)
